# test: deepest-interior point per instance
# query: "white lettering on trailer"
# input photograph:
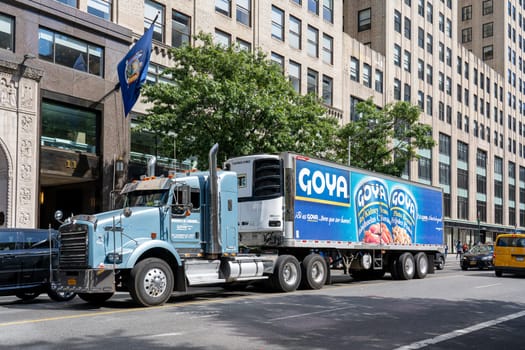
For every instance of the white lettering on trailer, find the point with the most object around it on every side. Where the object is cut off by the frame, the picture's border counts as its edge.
(336, 185)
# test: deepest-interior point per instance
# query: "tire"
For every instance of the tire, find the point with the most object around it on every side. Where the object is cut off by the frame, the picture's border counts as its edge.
(95, 298)
(394, 269)
(286, 274)
(440, 264)
(61, 296)
(406, 266)
(27, 296)
(314, 272)
(464, 267)
(151, 282)
(498, 273)
(421, 261)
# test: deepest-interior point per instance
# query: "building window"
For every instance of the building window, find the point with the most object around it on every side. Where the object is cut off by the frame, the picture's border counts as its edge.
(421, 69)
(224, 7)
(70, 52)
(430, 74)
(462, 179)
(429, 105)
(424, 168)
(7, 37)
(397, 21)
(466, 13)
(155, 76)
(397, 55)
(449, 28)
(429, 43)
(488, 52)
(421, 7)
(430, 12)
(407, 61)
(408, 28)
(100, 8)
(367, 75)
(421, 100)
(407, 95)
(462, 208)
(364, 19)
(312, 81)
(327, 90)
(294, 74)
(444, 173)
(354, 69)
(487, 7)
(73, 3)
(481, 184)
(488, 29)
(397, 89)
(328, 10)
(466, 35)
(244, 12)
(69, 127)
(277, 23)
(462, 151)
(444, 144)
(151, 10)
(294, 33)
(379, 81)
(420, 37)
(313, 6)
(180, 29)
(328, 49)
(222, 38)
(277, 59)
(244, 45)
(312, 42)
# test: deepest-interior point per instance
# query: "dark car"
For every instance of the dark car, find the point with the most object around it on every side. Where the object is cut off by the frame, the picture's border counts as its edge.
(479, 256)
(26, 259)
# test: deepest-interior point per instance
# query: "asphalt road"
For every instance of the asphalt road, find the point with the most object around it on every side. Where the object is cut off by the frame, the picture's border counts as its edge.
(451, 309)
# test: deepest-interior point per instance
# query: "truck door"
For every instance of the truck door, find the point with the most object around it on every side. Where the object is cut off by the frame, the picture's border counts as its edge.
(186, 219)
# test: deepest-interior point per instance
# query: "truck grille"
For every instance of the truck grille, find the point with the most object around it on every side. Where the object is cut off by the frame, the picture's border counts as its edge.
(73, 246)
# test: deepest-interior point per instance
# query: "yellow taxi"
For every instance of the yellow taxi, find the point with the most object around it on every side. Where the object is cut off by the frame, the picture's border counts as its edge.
(509, 254)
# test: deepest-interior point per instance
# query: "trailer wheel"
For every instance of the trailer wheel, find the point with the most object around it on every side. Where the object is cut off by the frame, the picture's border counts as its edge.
(394, 270)
(286, 274)
(151, 282)
(95, 298)
(27, 296)
(314, 272)
(421, 265)
(406, 266)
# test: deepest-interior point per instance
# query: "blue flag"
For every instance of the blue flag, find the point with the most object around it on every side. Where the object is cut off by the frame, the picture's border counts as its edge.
(133, 69)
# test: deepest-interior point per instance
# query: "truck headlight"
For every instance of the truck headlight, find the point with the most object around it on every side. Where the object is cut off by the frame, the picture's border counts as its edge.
(114, 258)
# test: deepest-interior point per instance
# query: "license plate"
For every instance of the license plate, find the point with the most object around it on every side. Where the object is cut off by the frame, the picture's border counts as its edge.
(72, 282)
(473, 263)
(519, 258)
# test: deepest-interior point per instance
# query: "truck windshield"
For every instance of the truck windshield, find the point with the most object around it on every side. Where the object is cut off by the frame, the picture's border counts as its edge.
(148, 198)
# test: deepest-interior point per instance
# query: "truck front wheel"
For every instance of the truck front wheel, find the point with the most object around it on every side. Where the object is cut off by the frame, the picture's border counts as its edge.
(314, 272)
(286, 274)
(151, 282)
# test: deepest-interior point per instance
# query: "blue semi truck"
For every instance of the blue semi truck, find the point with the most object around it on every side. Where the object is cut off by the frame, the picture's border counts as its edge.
(287, 220)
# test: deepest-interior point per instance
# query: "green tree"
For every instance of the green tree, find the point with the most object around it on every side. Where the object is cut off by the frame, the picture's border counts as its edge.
(384, 140)
(238, 99)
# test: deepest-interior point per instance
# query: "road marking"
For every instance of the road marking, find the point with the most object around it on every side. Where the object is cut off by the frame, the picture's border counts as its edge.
(308, 314)
(489, 285)
(460, 332)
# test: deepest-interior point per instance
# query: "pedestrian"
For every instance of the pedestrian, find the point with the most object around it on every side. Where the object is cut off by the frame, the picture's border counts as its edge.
(446, 250)
(465, 247)
(459, 249)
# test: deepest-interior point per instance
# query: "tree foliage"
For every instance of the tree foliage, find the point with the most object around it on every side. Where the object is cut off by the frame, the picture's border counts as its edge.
(238, 99)
(384, 140)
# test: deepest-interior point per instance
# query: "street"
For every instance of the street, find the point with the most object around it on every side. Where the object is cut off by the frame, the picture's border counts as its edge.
(451, 309)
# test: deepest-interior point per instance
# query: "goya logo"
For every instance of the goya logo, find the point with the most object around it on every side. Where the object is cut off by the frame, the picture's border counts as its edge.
(322, 184)
(403, 200)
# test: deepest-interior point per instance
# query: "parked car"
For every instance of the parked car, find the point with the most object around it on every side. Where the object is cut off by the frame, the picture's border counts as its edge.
(479, 256)
(26, 259)
(509, 254)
